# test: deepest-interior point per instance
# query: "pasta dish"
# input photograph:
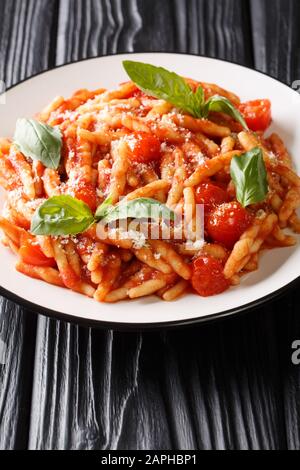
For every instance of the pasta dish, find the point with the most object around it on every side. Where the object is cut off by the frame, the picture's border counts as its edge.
(162, 187)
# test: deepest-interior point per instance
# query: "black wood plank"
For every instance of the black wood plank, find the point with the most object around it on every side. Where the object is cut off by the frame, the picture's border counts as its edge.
(25, 48)
(289, 331)
(215, 28)
(276, 40)
(180, 390)
(96, 27)
(17, 331)
(25, 37)
(276, 37)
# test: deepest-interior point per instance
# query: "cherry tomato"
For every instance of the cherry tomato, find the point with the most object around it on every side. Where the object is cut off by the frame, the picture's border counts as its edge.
(32, 254)
(227, 223)
(145, 148)
(208, 278)
(86, 192)
(257, 114)
(210, 195)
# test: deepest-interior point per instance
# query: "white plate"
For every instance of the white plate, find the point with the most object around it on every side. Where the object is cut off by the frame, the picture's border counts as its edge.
(278, 268)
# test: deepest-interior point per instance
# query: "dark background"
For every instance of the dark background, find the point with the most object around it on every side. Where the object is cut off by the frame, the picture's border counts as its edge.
(225, 385)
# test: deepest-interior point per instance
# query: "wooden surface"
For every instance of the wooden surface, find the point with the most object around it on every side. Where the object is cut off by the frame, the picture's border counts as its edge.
(226, 385)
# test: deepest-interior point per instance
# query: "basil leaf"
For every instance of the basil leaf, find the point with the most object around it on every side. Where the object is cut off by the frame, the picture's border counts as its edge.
(165, 85)
(249, 175)
(39, 142)
(61, 215)
(142, 208)
(104, 209)
(223, 105)
(199, 99)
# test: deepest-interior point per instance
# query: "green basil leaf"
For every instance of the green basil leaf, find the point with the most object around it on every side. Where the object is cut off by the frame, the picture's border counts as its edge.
(142, 208)
(199, 98)
(61, 215)
(104, 209)
(39, 142)
(223, 105)
(249, 175)
(165, 85)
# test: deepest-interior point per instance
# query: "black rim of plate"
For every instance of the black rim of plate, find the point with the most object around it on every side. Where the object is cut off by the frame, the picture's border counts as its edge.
(146, 326)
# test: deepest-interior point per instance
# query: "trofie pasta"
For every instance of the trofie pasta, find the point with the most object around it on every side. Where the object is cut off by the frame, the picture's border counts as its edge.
(163, 186)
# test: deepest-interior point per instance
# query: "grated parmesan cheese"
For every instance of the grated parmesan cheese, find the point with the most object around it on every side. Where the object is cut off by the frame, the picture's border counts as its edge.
(138, 238)
(195, 246)
(164, 147)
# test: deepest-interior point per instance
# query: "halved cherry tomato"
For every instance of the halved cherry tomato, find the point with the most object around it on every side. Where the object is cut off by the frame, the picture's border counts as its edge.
(145, 148)
(257, 114)
(227, 223)
(208, 277)
(210, 196)
(86, 192)
(32, 254)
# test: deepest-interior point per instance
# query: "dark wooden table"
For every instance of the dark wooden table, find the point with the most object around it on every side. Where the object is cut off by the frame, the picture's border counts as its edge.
(226, 385)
